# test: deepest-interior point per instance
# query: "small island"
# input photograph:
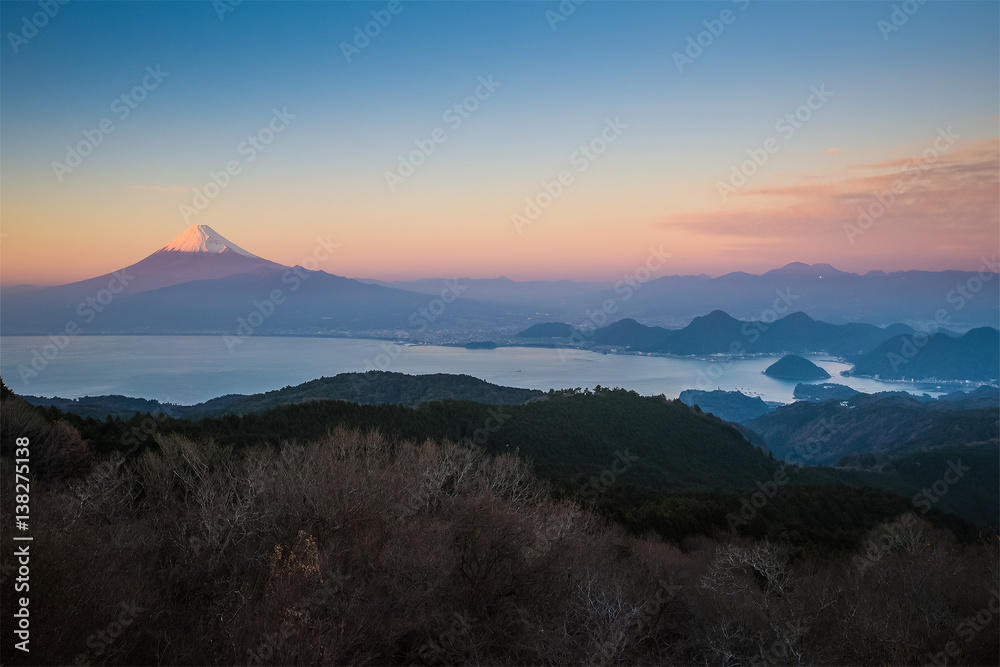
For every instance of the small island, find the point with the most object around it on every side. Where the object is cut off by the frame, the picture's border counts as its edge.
(793, 367)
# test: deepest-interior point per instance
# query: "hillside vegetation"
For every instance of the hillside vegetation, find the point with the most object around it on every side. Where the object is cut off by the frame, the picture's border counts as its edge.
(358, 547)
(373, 387)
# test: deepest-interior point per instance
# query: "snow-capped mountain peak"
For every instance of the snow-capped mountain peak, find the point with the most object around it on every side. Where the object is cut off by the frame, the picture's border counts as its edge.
(202, 238)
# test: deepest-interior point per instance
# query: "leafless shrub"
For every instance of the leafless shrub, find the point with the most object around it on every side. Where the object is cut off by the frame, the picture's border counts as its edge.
(361, 549)
(56, 448)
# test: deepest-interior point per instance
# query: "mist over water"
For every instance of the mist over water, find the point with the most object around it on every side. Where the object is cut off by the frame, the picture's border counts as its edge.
(192, 369)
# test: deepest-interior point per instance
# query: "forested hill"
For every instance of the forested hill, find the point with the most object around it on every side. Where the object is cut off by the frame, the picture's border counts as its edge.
(373, 387)
(570, 436)
(648, 463)
(877, 424)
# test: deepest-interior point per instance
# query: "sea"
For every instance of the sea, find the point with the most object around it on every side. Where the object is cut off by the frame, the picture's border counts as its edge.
(190, 369)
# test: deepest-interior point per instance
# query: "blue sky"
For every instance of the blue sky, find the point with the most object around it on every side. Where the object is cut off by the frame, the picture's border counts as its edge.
(352, 121)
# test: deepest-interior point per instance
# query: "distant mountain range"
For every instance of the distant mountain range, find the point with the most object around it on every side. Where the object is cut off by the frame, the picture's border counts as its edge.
(720, 333)
(202, 283)
(819, 290)
(893, 352)
(823, 293)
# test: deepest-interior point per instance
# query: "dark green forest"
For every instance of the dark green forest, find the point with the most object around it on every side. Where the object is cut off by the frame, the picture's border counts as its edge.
(570, 438)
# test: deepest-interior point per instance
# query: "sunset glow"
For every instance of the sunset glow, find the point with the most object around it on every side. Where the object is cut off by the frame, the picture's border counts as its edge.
(494, 117)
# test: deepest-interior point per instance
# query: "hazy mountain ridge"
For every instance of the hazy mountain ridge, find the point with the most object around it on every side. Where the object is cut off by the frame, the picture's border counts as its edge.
(875, 297)
(720, 333)
(202, 283)
(820, 290)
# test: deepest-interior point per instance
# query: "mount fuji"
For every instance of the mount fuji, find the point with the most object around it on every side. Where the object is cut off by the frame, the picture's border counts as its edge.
(198, 253)
(202, 238)
(201, 282)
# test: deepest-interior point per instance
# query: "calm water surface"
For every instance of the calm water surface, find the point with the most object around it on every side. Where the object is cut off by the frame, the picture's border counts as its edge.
(191, 369)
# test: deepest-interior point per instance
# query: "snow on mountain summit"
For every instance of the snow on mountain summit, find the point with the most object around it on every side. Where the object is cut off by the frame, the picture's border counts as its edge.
(202, 238)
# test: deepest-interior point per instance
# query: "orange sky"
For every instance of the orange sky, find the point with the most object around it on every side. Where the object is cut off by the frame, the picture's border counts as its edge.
(844, 107)
(945, 216)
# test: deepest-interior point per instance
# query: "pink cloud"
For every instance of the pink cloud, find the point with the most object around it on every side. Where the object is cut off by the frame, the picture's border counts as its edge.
(919, 205)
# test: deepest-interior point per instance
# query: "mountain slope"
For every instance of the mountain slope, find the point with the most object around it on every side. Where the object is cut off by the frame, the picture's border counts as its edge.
(202, 283)
(199, 253)
(825, 432)
(732, 406)
(974, 356)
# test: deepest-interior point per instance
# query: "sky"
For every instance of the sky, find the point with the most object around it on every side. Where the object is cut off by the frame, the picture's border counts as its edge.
(535, 140)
